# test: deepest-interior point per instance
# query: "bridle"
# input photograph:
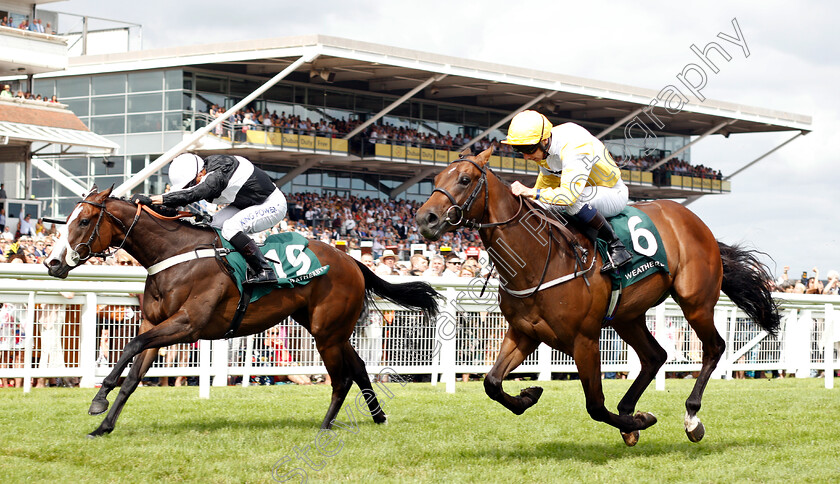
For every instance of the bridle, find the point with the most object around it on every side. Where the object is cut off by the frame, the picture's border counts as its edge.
(73, 258)
(460, 210)
(580, 253)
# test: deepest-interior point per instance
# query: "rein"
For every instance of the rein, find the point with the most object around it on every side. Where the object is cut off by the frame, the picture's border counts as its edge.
(73, 258)
(579, 252)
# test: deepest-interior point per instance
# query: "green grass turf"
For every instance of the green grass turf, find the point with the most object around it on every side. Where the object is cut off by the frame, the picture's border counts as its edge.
(782, 430)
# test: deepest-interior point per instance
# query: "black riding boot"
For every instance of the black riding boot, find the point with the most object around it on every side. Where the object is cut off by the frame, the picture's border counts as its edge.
(260, 270)
(618, 254)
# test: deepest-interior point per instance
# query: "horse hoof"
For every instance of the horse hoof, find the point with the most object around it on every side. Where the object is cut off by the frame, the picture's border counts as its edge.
(631, 438)
(98, 433)
(534, 393)
(696, 434)
(383, 420)
(98, 407)
(645, 419)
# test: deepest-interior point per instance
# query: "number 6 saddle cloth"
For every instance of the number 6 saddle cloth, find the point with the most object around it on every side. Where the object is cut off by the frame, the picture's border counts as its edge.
(640, 237)
(294, 263)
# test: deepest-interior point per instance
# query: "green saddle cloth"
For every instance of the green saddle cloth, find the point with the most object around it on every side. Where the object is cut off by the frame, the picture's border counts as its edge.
(294, 263)
(640, 237)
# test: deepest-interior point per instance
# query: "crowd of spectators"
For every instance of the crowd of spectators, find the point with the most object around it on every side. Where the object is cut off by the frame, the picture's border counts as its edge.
(250, 118)
(806, 284)
(33, 26)
(6, 93)
(674, 166)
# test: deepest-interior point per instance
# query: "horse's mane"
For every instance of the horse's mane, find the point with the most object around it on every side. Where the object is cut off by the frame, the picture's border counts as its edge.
(165, 211)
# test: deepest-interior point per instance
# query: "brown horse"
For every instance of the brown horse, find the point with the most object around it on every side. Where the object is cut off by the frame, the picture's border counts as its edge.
(569, 316)
(197, 299)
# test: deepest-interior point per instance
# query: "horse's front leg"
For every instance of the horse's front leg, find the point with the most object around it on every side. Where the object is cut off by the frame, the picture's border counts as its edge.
(172, 331)
(100, 401)
(513, 351)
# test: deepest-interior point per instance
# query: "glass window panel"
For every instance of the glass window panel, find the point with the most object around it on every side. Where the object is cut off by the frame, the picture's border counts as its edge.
(188, 80)
(204, 100)
(145, 81)
(108, 105)
(187, 100)
(343, 180)
(173, 100)
(66, 192)
(357, 183)
(173, 79)
(280, 92)
(76, 166)
(138, 162)
(313, 179)
(98, 167)
(42, 188)
(104, 182)
(328, 180)
(173, 122)
(44, 87)
(108, 125)
(210, 84)
(72, 87)
(338, 100)
(300, 180)
(139, 103)
(78, 106)
(144, 123)
(114, 84)
(65, 206)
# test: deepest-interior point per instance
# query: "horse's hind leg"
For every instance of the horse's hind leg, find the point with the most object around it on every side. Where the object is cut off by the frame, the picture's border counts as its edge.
(341, 376)
(588, 360)
(651, 356)
(360, 376)
(513, 351)
(701, 319)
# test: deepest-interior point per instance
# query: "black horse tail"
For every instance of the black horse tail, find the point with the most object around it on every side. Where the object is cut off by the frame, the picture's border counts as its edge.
(419, 295)
(745, 282)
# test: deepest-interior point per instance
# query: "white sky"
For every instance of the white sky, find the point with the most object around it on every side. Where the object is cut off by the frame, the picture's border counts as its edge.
(788, 205)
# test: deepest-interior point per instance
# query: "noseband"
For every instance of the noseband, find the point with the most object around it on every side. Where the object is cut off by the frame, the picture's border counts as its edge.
(73, 258)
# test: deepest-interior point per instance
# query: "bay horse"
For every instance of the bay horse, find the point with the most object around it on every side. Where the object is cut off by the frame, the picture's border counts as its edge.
(197, 299)
(569, 316)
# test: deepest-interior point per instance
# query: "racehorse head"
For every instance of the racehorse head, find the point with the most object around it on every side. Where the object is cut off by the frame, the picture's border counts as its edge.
(459, 197)
(83, 236)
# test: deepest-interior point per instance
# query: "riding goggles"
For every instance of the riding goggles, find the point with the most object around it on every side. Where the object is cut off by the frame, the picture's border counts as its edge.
(526, 149)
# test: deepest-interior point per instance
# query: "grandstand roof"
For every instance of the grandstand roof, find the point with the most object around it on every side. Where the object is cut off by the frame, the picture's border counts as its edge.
(391, 70)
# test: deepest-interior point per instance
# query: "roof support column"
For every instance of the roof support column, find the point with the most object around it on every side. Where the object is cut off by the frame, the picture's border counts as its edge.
(676, 153)
(187, 143)
(508, 118)
(691, 199)
(412, 181)
(394, 104)
(288, 177)
(620, 122)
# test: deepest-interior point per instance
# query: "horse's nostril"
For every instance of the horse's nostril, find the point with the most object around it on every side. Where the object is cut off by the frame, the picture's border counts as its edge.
(431, 219)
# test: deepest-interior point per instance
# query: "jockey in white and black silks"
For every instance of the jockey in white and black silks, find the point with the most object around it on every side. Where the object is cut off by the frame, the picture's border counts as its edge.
(254, 203)
(576, 173)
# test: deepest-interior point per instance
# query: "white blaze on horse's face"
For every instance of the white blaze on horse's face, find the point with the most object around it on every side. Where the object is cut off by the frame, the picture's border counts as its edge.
(62, 245)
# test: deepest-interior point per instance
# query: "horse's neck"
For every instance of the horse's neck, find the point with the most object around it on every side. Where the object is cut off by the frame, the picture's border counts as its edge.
(153, 240)
(519, 248)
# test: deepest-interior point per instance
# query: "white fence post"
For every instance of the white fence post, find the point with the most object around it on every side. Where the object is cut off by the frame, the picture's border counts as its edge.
(726, 330)
(659, 327)
(87, 342)
(248, 363)
(203, 368)
(220, 362)
(802, 351)
(29, 334)
(633, 363)
(828, 352)
(544, 362)
(446, 329)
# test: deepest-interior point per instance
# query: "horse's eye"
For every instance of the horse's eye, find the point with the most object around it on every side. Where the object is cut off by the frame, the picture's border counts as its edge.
(84, 222)
(464, 180)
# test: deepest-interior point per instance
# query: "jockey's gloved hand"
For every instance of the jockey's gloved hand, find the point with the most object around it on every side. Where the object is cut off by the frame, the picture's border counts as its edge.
(140, 199)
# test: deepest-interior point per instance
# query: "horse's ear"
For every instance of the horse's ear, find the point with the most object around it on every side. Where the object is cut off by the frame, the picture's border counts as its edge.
(106, 193)
(465, 152)
(484, 156)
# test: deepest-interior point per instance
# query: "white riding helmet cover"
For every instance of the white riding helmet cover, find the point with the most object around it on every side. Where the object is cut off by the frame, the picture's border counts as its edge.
(184, 169)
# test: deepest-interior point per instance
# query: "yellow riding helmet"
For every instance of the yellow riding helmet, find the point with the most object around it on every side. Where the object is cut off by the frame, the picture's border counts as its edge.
(528, 128)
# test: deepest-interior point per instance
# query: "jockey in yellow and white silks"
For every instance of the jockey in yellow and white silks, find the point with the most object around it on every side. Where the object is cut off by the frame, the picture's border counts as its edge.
(576, 173)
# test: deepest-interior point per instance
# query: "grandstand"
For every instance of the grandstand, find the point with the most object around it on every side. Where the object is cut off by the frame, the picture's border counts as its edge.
(338, 117)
